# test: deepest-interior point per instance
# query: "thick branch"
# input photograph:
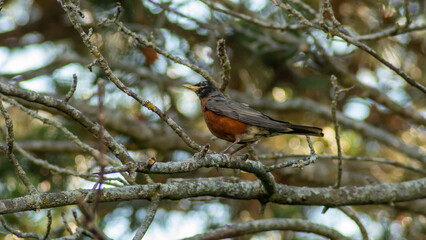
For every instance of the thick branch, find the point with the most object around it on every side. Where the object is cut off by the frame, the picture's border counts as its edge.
(244, 190)
(210, 160)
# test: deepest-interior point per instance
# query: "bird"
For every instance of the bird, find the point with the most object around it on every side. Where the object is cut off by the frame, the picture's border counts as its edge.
(238, 123)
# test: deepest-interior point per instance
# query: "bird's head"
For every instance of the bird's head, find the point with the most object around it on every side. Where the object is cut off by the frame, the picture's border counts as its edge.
(204, 89)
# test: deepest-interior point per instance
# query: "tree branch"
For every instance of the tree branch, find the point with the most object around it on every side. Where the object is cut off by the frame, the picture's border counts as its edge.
(224, 62)
(370, 92)
(240, 229)
(209, 160)
(49, 224)
(351, 214)
(274, 156)
(337, 90)
(298, 163)
(10, 139)
(56, 124)
(335, 30)
(387, 193)
(19, 233)
(71, 10)
(65, 171)
(116, 148)
(391, 31)
(71, 92)
(1, 4)
(149, 217)
(251, 19)
(373, 53)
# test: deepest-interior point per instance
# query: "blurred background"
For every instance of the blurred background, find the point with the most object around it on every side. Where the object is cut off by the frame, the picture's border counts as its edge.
(285, 74)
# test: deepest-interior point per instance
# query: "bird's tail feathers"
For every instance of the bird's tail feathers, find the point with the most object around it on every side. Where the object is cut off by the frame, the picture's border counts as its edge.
(305, 130)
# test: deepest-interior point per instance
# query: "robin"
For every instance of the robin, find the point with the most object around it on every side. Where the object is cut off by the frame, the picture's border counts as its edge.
(237, 123)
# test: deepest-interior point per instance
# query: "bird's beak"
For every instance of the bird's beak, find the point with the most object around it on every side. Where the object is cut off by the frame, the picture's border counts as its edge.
(191, 87)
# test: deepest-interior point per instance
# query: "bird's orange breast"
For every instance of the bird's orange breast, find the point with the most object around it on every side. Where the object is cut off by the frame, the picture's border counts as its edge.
(222, 126)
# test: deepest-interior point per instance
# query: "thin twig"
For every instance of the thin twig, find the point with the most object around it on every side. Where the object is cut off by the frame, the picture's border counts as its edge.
(75, 216)
(336, 130)
(251, 19)
(10, 139)
(1, 4)
(276, 156)
(224, 62)
(66, 224)
(49, 224)
(294, 12)
(101, 119)
(55, 169)
(305, 6)
(149, 217)
(298, 163)
(166, 7)
(71, 92)
(391, 31)
(89, 220)
(328, 8)
(407, 14)
(321, 12)
(17, 232)
(117, 11)
(101, 147)
(337, 90)
(351, 214)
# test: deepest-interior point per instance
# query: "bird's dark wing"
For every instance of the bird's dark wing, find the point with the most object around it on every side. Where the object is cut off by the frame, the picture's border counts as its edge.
(243, 113)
